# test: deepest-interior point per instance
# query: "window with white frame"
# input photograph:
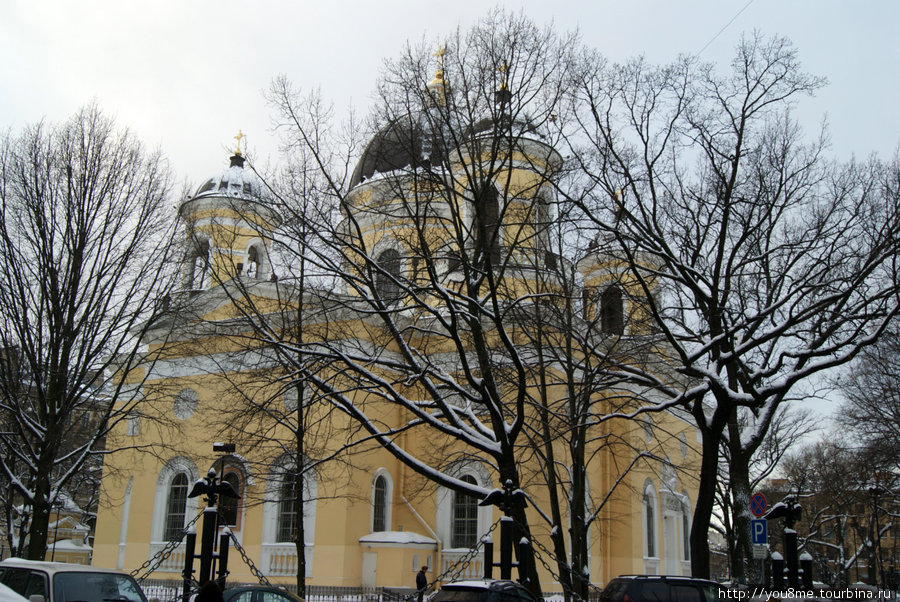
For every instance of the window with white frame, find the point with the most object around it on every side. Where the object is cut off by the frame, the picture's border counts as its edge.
(612, 311)
(464, 529)
(387, 276)
(229, 507)
(133, 425)
(486, 224)
(280, 520)
(199, 261)
(460, 521)
(685, 527)
(650, 516)
(252, 269)
(171, 506)
(176, 508)
(382, 499)
(287, 511)
(184, 405)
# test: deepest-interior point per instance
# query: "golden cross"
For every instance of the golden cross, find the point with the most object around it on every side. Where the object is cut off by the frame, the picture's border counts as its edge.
(442, 50)
(239, 136)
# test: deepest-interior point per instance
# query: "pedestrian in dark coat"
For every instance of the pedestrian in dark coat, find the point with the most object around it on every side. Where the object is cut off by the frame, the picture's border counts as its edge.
(421, 582)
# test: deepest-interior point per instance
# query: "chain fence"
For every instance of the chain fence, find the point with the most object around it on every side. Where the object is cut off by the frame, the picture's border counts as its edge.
(160, 557)
(169, 590)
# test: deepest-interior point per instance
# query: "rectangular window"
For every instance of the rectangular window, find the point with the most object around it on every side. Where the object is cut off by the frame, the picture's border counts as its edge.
(287, 517)
(465, 522)
(133, 428)
(175, 509)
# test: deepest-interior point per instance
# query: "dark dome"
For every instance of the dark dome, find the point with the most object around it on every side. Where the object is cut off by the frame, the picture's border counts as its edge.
(402, 143)
(406, 143)
(236, 181)
(502, 123)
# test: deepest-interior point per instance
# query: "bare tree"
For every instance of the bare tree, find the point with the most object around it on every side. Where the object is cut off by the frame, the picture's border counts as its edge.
(774, 264)
(83, 245)
(850, 505)
(872, 391)
(789, 427)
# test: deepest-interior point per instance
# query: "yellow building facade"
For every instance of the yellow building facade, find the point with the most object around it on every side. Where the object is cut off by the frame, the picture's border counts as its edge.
(370, 520)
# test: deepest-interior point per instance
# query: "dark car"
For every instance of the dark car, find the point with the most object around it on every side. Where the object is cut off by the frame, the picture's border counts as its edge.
(258, 593)
(483, 590)
(659, 588)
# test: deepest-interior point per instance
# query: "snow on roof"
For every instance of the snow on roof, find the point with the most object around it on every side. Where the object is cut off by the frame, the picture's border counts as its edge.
(70, 544)
(397, 537)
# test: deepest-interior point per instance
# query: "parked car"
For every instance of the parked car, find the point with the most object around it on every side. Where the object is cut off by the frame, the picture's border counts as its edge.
(659, 588)
(60, 582)
(483, 590)
(259, 593)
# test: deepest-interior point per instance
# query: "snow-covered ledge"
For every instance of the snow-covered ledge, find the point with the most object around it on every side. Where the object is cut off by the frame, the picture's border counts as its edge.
(391, 558)
(398, 538)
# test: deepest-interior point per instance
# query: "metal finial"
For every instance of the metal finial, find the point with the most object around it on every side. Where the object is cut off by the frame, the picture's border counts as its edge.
(441, 51)
(239, 136)
(503, 69)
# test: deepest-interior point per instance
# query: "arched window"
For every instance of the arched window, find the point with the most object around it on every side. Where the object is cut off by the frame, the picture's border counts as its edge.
(379, 504)
(387, 276)
(612, 311)
(464, 528)
(201, 263)
(486, 224)
(229, 507)
(176, 505)
(252, 268)
(649, 511)
(171, 506)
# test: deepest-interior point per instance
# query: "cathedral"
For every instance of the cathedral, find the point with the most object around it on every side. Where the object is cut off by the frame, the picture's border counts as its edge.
(368, 516)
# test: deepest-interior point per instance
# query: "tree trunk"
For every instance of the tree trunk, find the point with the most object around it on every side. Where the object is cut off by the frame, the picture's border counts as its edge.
(509, 472)
(706, 490)
(40, 521)
(706, 497)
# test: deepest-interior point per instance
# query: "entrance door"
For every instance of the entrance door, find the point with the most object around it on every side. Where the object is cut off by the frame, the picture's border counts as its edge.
(369, 568)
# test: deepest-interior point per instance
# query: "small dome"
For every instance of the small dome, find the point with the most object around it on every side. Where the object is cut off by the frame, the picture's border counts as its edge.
(402, 143)
(236, 181)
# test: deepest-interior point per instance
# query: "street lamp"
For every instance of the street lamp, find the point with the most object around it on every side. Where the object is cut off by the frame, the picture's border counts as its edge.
(213, 487)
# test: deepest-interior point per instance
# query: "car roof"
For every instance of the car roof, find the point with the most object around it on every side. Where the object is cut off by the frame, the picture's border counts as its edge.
(54, 567)
(666, 578)
(231, 591)
(481, 584)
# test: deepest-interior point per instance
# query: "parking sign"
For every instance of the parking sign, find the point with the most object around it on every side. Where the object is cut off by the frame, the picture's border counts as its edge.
(759, 530)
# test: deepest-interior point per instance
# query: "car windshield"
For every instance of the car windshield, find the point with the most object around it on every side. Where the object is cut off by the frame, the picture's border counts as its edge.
(95, 587)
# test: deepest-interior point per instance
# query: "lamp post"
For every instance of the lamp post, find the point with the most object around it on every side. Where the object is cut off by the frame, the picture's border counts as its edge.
(56, 504)
(213, 487)
(507, 500)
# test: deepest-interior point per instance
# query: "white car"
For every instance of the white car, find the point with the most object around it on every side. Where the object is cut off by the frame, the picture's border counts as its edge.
(38, 581)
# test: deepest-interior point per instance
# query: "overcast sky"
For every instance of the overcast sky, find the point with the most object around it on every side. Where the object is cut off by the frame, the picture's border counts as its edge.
(186, 75)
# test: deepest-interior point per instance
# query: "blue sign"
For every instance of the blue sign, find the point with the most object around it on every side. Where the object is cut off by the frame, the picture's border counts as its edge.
(758, 504)
(760, 531)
